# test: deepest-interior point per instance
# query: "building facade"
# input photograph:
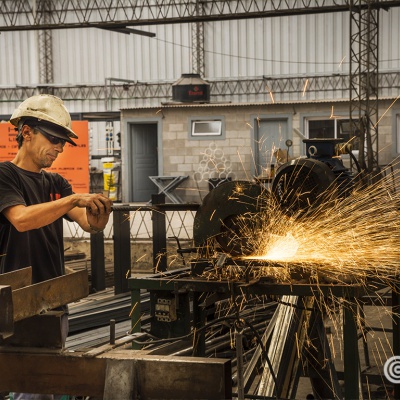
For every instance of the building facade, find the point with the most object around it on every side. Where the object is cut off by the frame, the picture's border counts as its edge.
(284, 74)
(207, 142)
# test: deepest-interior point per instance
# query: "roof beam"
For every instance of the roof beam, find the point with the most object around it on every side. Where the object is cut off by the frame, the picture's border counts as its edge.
(19, 15)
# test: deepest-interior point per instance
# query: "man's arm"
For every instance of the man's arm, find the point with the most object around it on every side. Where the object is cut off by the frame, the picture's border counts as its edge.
(94, 208)
(87, 220)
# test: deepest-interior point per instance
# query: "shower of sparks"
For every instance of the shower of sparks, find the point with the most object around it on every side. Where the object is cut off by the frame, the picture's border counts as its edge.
(126, 216)
(344, 239)
(280, 248)
(141, 257)
(132, 309)
(341, 62)
(305, 87)
(270, 95)
(379, 120)
(332, 116)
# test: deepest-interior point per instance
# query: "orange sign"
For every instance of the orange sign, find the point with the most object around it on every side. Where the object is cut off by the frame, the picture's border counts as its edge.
(8, 144)
(72, 164)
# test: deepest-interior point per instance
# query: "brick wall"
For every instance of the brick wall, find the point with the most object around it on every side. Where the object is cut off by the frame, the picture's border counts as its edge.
(182, 155)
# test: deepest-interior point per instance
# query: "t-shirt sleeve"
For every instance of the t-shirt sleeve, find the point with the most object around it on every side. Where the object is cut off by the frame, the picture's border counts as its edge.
(65, 190)
(11, 189)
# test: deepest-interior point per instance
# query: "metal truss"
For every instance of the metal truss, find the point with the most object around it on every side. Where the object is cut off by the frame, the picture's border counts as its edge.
(198, 62)
(132, 93)
(45, 39)
(364, 82)
(30, 14)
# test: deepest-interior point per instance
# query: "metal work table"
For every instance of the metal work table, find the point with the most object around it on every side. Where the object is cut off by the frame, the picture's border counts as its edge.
(180, 281)
(33, 360)
(168, 184)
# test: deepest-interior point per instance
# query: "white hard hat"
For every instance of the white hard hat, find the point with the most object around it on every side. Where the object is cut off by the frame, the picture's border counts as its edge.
(48, 109)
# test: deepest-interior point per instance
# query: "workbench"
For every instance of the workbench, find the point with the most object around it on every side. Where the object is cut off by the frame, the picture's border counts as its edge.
(181, 281)
(33, 360)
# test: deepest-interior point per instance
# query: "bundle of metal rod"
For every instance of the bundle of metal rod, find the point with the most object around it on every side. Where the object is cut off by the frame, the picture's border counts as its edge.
(158, 207)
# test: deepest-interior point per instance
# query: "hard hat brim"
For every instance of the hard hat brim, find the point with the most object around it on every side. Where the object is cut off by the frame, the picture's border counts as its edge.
(50, 129)
(53, 132)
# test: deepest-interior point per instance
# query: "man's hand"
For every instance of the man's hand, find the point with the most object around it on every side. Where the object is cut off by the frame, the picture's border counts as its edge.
(98, 210)
(95, 204)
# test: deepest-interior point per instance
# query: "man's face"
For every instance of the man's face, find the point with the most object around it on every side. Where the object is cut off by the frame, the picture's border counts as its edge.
(42, 148)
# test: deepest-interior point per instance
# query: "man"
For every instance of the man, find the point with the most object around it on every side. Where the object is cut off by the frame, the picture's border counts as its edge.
(33, 202)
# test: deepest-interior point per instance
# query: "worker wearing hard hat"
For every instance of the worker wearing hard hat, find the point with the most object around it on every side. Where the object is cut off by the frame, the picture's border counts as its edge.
(33, 201)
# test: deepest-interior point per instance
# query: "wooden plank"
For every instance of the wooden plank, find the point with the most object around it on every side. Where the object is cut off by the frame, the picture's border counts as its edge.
(155, 377)
(47, 295)
(17, 279)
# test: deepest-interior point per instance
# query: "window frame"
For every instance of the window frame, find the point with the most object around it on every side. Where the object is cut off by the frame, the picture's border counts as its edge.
(207, 135)
(318, 117)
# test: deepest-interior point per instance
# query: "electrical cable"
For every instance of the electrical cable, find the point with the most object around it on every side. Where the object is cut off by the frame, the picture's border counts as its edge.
(239, 322)
(205, 326)
(265, 354)
(354, 158)
(334, 63)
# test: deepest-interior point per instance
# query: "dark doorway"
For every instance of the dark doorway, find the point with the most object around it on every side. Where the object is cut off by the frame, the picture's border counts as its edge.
(144, 160)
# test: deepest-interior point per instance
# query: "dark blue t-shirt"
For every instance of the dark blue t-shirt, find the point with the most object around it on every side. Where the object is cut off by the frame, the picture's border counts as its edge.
(43, 248)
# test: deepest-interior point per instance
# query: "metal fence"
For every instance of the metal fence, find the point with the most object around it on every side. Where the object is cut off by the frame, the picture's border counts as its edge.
(129, 223)
(179, 223)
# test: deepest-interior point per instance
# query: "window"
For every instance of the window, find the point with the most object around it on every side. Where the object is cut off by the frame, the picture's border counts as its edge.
(206, 127)
(318, 128)
(321, 128)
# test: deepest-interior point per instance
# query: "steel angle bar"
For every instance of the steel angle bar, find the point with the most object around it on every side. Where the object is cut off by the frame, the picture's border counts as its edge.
(6, 315)
(17, 279)
(72, 373)
(99, 314)
(255, 362)
(99, 318)
(39, 331)
(96, 337)
(47, 295)
(282, 351)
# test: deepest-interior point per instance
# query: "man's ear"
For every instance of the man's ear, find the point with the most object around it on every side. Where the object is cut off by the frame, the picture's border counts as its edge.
(26, 132)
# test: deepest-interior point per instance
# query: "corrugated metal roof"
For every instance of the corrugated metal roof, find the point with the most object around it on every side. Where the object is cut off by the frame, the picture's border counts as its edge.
(254, 104)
